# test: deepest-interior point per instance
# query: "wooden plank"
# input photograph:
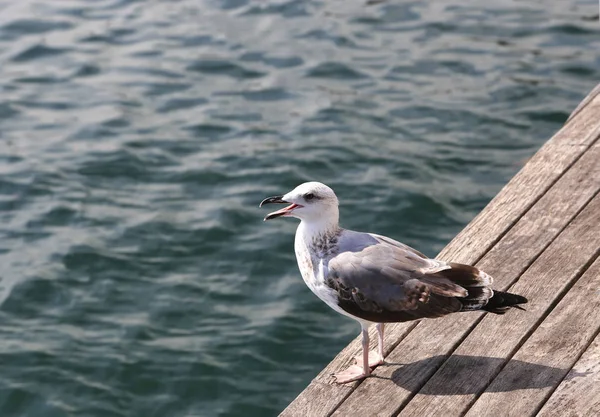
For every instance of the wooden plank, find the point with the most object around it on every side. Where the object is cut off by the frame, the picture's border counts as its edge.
(542, 171)
(532, 234)
(545, 359)
(578, 395)
(461, 379)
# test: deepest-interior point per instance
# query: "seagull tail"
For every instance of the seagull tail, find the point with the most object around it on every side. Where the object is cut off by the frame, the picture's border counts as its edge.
(502, 301)
(476, 282)
(479, 288)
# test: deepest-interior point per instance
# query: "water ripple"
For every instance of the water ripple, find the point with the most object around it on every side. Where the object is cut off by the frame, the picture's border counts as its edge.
(138, 277)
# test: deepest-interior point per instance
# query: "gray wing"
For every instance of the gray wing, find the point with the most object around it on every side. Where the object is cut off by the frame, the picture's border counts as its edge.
(382, 280)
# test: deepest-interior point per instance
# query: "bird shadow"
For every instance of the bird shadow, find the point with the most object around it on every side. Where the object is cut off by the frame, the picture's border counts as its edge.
(462, 375)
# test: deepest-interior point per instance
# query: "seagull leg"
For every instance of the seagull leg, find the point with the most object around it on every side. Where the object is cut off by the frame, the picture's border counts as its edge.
(379, 360)
(375, 358)
(356, 372)
(365, 346)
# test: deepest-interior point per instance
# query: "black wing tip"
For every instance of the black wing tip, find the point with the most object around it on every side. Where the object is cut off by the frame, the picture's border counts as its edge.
(502, 301)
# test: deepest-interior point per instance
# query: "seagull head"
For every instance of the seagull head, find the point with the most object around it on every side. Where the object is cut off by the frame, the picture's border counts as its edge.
(312, 202)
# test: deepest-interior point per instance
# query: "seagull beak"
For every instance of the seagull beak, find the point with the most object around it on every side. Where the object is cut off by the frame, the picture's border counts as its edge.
(278, 200)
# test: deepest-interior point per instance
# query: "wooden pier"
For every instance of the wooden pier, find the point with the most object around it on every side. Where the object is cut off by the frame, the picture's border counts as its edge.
(539, 237)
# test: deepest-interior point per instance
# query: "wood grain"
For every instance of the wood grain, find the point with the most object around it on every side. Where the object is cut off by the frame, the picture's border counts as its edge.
(496, 336)
(517, 198)
(430, 343)
(554, 348)
(578, 395)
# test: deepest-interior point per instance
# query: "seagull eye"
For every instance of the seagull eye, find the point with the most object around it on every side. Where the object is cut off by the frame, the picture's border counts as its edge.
(309, 196)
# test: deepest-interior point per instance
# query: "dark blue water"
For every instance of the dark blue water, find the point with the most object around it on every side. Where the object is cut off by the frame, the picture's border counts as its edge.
(138, 137)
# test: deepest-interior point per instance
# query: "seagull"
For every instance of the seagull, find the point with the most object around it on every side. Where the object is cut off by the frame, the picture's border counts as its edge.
(374, 279)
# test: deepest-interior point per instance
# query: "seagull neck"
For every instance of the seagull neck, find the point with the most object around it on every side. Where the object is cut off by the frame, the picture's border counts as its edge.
(318, 230)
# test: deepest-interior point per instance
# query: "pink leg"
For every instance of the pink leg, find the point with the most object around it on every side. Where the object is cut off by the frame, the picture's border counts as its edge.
(365, 348)
(380, 327)
(356, 372)
(375, 358)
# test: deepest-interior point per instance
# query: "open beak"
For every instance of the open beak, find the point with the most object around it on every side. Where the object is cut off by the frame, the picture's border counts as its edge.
(278, 200)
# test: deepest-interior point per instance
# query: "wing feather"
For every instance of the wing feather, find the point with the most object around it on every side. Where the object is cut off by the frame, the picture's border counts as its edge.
(387, 281)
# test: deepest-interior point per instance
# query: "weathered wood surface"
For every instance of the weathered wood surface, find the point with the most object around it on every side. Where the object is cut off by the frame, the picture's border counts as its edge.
(428, 346)
(548, 355)
(579, 394)
(541, 232)
(542, 283)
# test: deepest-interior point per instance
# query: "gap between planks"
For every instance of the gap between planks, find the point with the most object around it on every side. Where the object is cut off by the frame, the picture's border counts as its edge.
(578, 397)
(389, 395)
(576, 132)
(549, 354)
(570, 183)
